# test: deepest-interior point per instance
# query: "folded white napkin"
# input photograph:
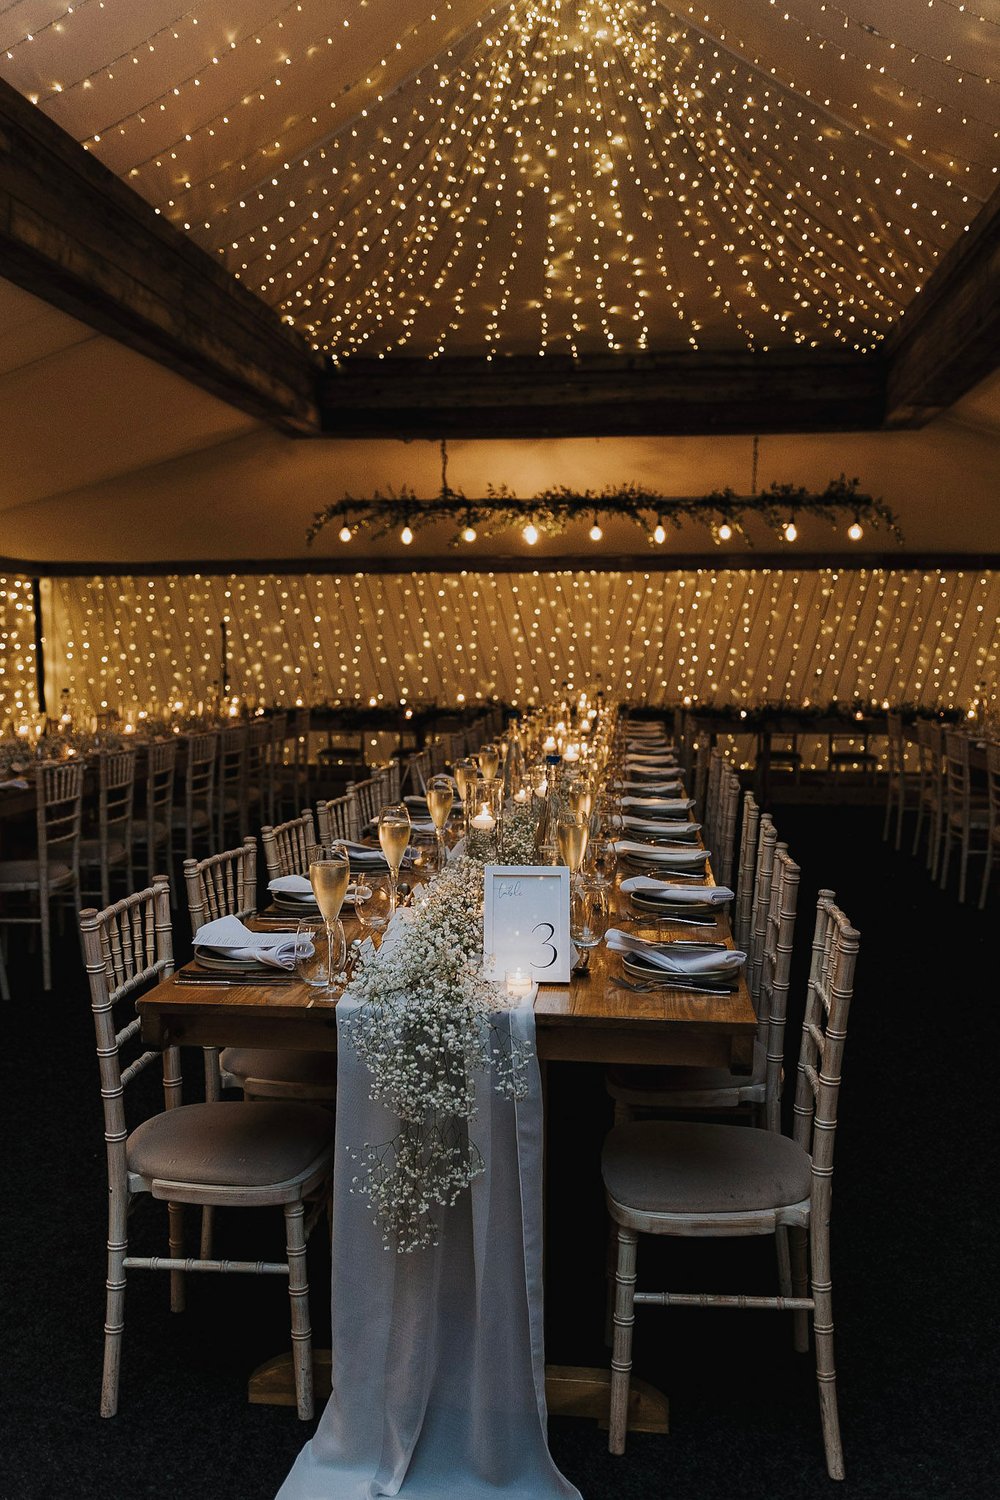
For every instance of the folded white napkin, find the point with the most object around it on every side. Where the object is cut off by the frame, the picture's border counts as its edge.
(672, 807)
(292, 885)
(366, 856)
(227, 937)
(650, 758)
(681, 962)
(656, 854)
(649, 804)
(679, 895)
(663, 788)
(663, 826)
(17, 783)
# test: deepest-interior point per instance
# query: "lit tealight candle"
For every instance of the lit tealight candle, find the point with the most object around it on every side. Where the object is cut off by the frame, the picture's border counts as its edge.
(550, 744)
(571, 753)
(484, 820)
(522, 795)
(518, 984)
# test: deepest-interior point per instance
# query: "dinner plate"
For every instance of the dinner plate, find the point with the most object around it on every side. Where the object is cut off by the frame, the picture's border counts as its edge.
(665, 907)
(644, 862)
(640, 968)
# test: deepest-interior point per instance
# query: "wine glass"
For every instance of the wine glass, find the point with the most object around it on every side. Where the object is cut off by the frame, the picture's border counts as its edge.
(373, 905)
(329, 874)
(394, 835)
(466, 776)
(602, 858)
(440, 800)
(588, 919)
(580, 796)
(571, 835)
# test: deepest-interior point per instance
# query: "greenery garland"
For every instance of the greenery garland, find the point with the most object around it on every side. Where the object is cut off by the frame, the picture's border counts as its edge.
(553, 510)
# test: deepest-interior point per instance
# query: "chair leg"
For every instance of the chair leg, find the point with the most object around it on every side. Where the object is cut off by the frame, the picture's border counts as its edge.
(114, 1313)
(213, 1075)
(826, 1375)
(800, 1288)
(175, 1238)
(784, 1260)
(964, 865)
(45, 924)
(982, 890)
(298, 1292)
(621, 1353)
(207, 1231)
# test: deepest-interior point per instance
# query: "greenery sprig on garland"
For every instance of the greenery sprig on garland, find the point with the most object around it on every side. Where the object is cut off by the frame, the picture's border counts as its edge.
(551, 511)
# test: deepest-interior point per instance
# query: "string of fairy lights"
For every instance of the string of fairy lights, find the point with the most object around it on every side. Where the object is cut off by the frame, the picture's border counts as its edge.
(559, 175)
(704, 636)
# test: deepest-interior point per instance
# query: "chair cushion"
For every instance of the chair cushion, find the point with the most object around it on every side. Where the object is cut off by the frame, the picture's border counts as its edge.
(90, 851)
(280, 1065)
(653, 1086)
(676, 1167)
(238, 1145)
(15, 874)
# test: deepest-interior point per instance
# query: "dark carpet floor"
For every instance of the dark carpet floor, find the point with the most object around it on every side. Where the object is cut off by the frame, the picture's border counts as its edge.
(914, 1250)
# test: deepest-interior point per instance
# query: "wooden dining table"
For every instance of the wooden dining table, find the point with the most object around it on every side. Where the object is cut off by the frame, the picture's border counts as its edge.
(589, 1020)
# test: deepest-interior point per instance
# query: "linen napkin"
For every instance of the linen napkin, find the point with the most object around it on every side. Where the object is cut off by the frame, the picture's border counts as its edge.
(661, 788)
(366, 856)
(679, 859)
(673, 807)
(678, 895)
(227, 937)
(664, 826)
(665, 758)
(17, 783)
(298, 886)
(680, 962)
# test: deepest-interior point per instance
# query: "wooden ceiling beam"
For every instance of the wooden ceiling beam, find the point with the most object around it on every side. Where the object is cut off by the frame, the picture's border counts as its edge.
(948, 339)
(684, 394)
(74, 235)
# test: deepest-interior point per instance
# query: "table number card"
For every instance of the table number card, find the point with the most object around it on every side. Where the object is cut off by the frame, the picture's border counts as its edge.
(526, 921)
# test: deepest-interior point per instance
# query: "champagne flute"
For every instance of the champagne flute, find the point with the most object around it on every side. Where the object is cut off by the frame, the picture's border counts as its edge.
(588, 919)
(571, 835)
(329, 874)
(489, 761)
(466, 776)
(440, 800)
(394, 835)
(580, 796)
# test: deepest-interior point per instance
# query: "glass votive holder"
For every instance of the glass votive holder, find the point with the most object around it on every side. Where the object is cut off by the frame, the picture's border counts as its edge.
(518, 983)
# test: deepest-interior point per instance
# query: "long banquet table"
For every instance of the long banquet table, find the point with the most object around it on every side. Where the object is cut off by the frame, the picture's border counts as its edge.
(588, 1020)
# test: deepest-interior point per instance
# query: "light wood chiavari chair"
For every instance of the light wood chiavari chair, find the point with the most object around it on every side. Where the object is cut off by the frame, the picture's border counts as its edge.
(698, 1179)
(436, 751)
(258, 777)
(275, 763)
(725, 826)
(966, 815)
(900, 780)
(372, 795)
(194, 821)
(54, 871)
(231, 790)
(417, 773)
(337, 818)
(290, 846)
(155, 827)
(111, 847)
(993, 803)
(212, 1154)
(743, 912)
(930, 792)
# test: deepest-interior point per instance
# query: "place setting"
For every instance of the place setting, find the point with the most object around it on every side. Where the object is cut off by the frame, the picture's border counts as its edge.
(707, 968)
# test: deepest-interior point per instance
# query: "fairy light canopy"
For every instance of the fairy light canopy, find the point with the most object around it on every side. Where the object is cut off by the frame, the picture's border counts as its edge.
(544, 176)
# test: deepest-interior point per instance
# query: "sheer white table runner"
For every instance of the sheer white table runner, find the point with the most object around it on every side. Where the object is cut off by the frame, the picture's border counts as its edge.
(438, 1380)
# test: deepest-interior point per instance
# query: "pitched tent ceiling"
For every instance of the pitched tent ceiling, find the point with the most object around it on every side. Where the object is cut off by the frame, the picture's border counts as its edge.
(540, 176)
(438, 180)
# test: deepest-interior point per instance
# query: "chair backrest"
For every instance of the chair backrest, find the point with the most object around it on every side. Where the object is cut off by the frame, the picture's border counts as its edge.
(957, 771)
(725, 827)
(896, 742)
(127, 948)
(743, 917)
(199, 773)
(436, 751)
(392, 780)
(223, 885)
(774, 978)
(116, 794)
(260, 733)
(337, 818)
(710, 806)
(290, 846)
(824, 1032)
(767, 838)
(233, 745)
(161, 767)
(371, 798)
(418, 769)
(699, 789)
(58, 814)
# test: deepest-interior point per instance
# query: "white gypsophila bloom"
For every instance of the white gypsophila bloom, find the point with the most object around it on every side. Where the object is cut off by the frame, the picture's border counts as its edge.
(427, 1030)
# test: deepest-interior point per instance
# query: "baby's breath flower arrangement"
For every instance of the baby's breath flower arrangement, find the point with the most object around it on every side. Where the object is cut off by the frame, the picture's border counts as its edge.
(426, 1028)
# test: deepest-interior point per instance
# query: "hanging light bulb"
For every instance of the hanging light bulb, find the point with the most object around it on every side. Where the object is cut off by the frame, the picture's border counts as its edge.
(725, 532)
(406, 536)
(595, 533)
(854, 531)
(530, 533)
(346, 533)
(469, 534)
(791, 531)
(659, 535)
